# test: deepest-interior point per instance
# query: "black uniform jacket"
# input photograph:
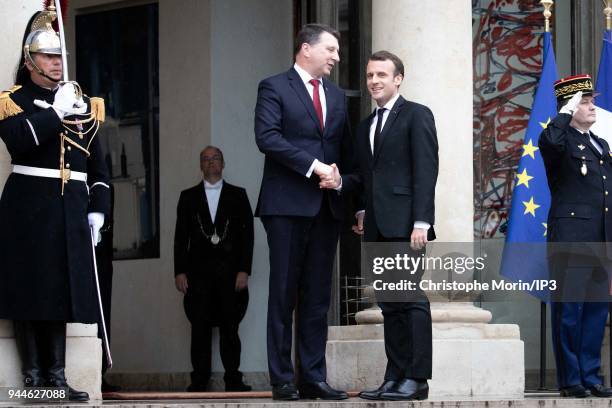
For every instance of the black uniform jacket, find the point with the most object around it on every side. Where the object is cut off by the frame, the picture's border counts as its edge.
(580, 181)
(399, 178)
(46, 268)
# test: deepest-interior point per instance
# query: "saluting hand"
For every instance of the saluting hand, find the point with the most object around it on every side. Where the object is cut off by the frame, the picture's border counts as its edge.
(572, 105)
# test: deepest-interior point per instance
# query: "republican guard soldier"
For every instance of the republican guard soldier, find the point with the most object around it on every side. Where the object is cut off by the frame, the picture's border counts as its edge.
(579, 171)
(53, 201)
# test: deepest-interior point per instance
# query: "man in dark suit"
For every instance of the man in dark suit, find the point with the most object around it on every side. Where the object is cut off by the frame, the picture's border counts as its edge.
(300, 125)
(578, 167)
(213, 252)
(397, 162)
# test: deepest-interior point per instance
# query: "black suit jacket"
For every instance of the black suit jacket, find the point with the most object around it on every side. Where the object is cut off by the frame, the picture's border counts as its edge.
(287, 131)
(194, 254)
(398, 180)
(578, 201)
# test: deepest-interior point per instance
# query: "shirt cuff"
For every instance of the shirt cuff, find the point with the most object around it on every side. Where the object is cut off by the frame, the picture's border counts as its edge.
(312, 167)
(359, 212)
(339, 188)
(422, 225)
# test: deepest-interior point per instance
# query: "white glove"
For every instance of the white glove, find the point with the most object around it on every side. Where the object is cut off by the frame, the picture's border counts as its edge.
(572, 105)
(96, 221)
(66, 102)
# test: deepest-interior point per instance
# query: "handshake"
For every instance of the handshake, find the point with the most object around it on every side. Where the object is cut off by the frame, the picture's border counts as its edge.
(329, 175)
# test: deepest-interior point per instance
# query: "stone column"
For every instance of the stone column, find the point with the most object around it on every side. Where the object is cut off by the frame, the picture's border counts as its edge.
(434, 40)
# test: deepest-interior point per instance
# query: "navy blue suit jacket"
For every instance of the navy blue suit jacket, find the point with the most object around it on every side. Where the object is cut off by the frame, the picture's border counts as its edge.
(287, 131)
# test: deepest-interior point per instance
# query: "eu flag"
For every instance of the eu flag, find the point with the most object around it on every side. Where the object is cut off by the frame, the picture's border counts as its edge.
(527, 222)
(603, 101)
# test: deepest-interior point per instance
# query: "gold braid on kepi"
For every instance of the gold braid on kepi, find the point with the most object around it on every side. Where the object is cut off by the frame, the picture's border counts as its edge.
(567, 87)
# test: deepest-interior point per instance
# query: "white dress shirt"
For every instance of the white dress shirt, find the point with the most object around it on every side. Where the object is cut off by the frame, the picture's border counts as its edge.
(213, 192)
(387, 107)
(306, 78)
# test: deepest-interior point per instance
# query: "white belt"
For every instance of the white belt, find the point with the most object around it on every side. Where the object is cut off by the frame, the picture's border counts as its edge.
(51, 173)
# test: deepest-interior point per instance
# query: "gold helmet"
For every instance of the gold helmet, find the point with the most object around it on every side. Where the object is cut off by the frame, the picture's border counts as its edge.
(42, 37)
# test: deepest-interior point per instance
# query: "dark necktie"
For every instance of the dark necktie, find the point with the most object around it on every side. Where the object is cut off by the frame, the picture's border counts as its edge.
(379, 121)
(316, 100)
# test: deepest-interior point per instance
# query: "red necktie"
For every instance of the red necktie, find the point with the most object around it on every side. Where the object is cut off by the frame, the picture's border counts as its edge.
(316, 100)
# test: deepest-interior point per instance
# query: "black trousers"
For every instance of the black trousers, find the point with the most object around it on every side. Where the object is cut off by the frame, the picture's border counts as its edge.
(229, 348)
(302, 251)
(207, 307)
(408, 333)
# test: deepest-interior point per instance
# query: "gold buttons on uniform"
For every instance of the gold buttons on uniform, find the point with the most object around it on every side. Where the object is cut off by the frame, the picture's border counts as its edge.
(69, 148)
(572, 214)
(67, 165)
(606, 209)
(583, 158)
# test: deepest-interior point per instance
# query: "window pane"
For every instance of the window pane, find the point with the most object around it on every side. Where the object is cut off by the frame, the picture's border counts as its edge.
(117, 59)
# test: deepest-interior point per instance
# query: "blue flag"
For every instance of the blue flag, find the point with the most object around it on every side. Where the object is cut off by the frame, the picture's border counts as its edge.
(527, 223)
(603, 101)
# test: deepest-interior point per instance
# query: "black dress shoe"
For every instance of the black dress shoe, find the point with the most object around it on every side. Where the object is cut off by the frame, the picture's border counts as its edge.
(575, 391)
(285, 392)
(237, 387)
(106, 387)
(197, 387)
(407, 390)
(598, 390)
(321, 390)
(375, 394)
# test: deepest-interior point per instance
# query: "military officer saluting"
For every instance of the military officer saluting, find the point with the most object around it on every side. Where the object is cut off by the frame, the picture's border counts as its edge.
(579, 170)
(55, 198)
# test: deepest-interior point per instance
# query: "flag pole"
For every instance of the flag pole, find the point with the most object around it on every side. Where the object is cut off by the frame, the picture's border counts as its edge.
(608, 13)
(547, 14)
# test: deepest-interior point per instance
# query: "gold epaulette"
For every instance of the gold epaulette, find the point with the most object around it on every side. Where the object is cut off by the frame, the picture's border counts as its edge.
(7, 106)
(97, 108)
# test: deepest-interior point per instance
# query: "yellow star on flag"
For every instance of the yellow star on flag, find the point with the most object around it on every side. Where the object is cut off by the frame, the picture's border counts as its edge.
(523, 178)
(545, 124)
(530, 207)
(545, 228)
(529, 149)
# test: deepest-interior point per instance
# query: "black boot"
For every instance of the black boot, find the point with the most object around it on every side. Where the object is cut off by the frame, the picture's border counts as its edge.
(55, 339)
(25, 337)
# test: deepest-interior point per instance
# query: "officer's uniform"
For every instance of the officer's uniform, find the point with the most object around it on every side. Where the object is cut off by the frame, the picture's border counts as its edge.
(579, 172)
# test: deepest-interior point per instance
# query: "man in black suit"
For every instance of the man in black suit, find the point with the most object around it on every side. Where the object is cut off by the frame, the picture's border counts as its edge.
(213, 252)
(397, 162)
(300, 125)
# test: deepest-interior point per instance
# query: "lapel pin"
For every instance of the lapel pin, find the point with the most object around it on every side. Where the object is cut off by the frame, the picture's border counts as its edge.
(581, 147)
